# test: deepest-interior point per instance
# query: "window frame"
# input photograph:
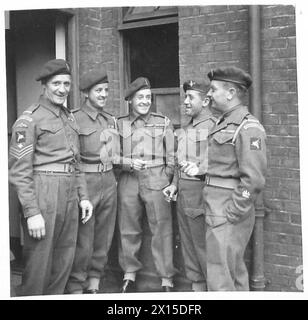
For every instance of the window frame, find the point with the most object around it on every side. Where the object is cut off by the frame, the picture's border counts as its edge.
(124, 59)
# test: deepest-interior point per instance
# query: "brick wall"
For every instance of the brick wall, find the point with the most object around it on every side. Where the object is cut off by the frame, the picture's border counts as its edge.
(212, 36)
(98, 40)
(283, 250)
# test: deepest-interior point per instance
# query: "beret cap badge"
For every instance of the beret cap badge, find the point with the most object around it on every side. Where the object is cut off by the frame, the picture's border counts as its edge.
(197, 85)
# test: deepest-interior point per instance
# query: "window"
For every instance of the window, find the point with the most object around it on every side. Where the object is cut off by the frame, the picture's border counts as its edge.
(149, 47)
(153, 53)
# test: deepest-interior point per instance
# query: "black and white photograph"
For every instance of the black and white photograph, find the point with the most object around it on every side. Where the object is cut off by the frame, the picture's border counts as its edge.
(153, 148)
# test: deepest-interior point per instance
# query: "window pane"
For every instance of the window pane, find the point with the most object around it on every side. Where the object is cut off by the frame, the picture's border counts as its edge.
(154, 53)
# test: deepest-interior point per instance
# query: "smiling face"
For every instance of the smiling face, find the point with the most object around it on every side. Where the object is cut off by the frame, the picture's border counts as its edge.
(194, 103)
(98, 94)
(220, 95)
(57, 88)
(141, 101)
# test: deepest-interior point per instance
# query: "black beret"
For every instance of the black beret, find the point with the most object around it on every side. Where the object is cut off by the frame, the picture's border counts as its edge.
(197, 85)
(52, 68)
(231, 74)
(138, 84)
(93, 77)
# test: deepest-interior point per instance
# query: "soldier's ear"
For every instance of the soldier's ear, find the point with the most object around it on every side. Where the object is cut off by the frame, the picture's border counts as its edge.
(85, 93)
(206, 102)
(231, 93)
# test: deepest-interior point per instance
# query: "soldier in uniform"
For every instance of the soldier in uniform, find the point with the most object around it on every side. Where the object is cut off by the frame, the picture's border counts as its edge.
(236, 175)
(192, 149)
(97, 132)
(43, 166)
(147, 162)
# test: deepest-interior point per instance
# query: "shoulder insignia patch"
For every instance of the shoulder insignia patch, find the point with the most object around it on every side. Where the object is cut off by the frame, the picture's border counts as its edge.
(255, 143)
(20, 136)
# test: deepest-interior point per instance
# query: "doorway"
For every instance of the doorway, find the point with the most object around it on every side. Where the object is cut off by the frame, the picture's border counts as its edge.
(32, 37)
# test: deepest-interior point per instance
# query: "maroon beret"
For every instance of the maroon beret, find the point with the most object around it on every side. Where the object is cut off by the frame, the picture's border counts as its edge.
(93, 77)
(138, 84)
(52, 68)
(231, 74)
(197, 85)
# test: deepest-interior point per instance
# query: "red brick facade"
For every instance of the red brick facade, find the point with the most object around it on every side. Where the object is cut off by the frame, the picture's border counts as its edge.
(212, 36)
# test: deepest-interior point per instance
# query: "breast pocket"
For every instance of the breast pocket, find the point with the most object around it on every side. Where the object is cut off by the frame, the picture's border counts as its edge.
(223, 137)
(110, 145)
(125, 138)
(89, 139)
(52, 135)
(154, 143)
(223, 146)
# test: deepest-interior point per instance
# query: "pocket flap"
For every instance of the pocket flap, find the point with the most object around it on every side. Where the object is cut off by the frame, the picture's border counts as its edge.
(154, 132)
(53, 128)
(87, 131)
(125, 134)
(202, 135)
(193, 212)
(223, 137)
(197, 135)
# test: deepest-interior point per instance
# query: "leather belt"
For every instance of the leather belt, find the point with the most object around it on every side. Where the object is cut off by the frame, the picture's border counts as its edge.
(183, 175)
(96, 167)
(229, 183)
(56, 167)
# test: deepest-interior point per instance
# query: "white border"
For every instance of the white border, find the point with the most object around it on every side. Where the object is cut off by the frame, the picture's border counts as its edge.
(302, 55)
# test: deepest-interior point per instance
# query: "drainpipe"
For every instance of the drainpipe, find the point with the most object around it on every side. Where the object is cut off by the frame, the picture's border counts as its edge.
(257, 279)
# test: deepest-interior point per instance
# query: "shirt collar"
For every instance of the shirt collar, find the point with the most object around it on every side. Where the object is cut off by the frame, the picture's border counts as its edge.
(234, 115)
(204, 115)
(90, 110)
(237, 114)
(93, 112)
(133, 117)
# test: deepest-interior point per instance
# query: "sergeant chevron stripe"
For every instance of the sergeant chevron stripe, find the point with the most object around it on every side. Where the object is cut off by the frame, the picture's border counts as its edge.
(20, 153)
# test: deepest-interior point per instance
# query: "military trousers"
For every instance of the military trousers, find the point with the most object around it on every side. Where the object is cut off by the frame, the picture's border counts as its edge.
(48, 261)
(137, 197)
(95, 237)
(192, 228)
(225, 243)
